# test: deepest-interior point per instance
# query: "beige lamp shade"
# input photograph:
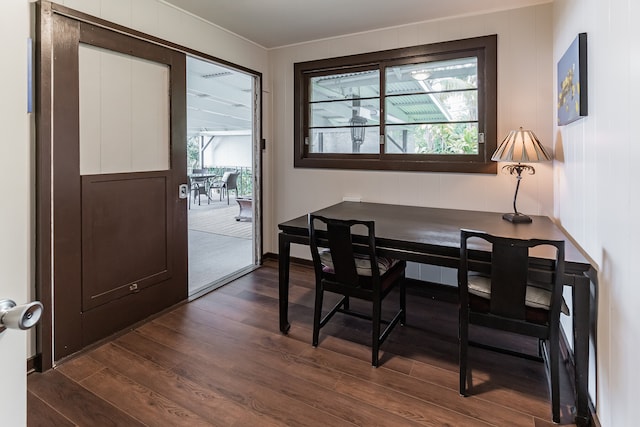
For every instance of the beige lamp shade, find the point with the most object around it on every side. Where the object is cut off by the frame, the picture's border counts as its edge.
(521, 146)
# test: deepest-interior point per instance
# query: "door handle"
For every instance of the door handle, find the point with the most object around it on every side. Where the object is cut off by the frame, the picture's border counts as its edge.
(23, 316)
(183, 191)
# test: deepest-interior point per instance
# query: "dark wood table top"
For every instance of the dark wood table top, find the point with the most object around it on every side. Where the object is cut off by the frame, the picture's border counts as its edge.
(437, 230)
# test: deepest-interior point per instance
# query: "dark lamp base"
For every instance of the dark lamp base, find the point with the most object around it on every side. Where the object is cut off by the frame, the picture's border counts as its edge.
(517, 218)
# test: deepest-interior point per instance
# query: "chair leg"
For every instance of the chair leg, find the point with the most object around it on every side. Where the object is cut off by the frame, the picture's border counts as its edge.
(554, 367)
(375, 333)
(540, 348)
(403, 302)
(317, 314)
(463, 341)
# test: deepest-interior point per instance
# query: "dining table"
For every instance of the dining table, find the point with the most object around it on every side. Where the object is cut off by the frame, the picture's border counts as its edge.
(203, 179)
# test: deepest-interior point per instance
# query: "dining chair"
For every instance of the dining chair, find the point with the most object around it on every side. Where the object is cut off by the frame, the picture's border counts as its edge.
(228, 182)
(346, 263)
(513, 297)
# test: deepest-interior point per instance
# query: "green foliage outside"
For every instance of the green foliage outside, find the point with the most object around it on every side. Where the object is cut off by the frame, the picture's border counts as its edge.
(245, 182)
(459, 102)
(453, 138)
(192, 152)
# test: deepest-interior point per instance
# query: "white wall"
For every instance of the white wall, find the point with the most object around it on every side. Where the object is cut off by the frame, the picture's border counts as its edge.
(524, 96)
(596, 192)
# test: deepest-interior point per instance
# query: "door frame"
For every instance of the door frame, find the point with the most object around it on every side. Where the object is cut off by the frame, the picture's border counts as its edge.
(45, 108)
(257, 148)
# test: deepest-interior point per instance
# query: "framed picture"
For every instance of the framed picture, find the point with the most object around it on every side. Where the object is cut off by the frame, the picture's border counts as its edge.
(572, 82)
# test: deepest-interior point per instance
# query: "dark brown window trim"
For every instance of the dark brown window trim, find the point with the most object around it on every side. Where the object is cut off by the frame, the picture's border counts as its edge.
(485, 48)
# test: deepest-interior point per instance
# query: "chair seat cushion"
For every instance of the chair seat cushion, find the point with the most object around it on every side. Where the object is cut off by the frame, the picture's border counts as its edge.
(535, 297)
(363, 265)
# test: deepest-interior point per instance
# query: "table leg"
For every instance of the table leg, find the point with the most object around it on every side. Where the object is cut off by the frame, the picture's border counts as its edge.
(581, 311)
(284, 255)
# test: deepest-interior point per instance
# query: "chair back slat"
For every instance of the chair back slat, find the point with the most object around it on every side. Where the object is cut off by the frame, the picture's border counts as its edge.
(341, 248)
(509, 266)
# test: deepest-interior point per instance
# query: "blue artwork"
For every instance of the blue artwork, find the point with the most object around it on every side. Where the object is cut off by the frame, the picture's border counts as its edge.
(572, 82)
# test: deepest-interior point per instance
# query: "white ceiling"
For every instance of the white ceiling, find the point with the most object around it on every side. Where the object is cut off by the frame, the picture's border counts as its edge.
(219, 100)
(276, 23)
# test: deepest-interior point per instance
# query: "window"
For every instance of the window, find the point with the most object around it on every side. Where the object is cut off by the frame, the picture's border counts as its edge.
(422, 108)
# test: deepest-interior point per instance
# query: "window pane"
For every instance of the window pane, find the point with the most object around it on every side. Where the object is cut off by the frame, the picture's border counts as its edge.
(437, 76)
(432, 95)
(349, 102)
(343, 140)
(433, 107)
(363, 84)
(445, 138)
(339, 113)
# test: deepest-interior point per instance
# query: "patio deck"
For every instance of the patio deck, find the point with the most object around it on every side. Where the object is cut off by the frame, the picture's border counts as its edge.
(218, 244)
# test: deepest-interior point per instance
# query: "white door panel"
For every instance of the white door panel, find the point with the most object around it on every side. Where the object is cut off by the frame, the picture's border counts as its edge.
(15, 215)
(124, 112)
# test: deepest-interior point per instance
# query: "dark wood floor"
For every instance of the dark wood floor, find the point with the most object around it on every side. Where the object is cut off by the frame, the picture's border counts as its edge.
(220, 360)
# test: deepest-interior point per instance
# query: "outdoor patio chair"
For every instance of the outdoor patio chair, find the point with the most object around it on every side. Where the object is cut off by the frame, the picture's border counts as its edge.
(228, 182)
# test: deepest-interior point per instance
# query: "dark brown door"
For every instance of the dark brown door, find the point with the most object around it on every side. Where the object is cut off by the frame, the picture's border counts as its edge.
(119, 229)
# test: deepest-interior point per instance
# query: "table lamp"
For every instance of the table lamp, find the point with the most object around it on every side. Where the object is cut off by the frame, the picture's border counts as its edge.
(520, 146)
